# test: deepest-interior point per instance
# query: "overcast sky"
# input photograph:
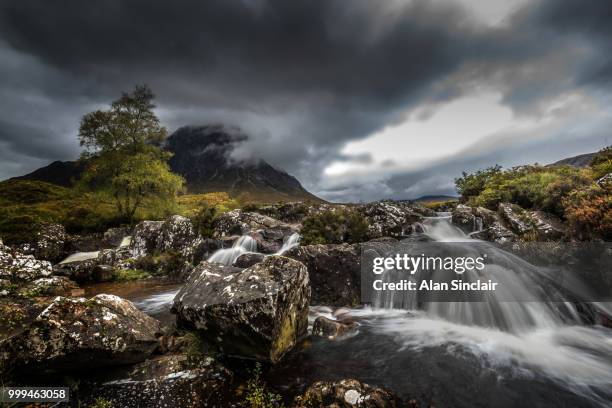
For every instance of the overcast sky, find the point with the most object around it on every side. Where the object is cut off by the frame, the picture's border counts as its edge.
(360, 100)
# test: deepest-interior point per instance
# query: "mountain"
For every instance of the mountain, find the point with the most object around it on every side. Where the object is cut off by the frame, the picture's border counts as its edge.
(582, 160)
(434, 198)
(61, 173)
(203, 156)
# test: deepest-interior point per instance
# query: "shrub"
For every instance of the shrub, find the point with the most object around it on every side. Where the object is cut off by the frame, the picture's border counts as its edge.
(102, 403)
(470, 185)
(131, 275)
(601, 163)
(334, 227)
(589, 213)
(204, 219)
(257, 395)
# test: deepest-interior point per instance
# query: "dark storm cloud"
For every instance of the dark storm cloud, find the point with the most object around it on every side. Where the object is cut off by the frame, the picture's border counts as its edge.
(301, 77)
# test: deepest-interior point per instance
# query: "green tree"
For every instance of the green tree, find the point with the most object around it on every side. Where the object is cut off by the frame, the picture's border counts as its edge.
(471, 185)
(122, 149)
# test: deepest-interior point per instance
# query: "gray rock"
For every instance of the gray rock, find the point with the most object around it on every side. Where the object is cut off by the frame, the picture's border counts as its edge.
(548, 227)
(238, 222)
(175, 233)
(16, 266)
(496, 232)
(249, 259)
(464, 218)
(173, 381)
(79, 271)
(348, 393)
(256, 313)
(390, 219)
(334, 272)
(516, 217)
(76, 334)
(49, 244)
(51, 286)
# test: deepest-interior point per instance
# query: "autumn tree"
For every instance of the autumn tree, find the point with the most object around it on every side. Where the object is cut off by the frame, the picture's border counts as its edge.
(124, 155)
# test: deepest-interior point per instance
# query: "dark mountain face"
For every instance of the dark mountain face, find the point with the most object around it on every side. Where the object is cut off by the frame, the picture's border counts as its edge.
(581, 160)
(61, 173)
(202, 155)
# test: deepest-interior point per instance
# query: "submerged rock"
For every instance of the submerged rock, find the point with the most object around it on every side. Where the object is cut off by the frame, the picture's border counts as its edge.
(348, 393)
(256, 313)
(331, 329)
(334, 272)
(173, 381)
(76, 334)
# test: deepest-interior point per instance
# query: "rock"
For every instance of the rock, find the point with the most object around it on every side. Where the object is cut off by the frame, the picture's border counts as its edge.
(238, 222)
(331, 329)
(117, 257)
(256, 313)
(79, 271)
(517, 218)
(76, 334)
(547, 226)
(50, 243)
(463, 217)
(113, 237)
(334, 272)
(496, 232)
(605, 181)
(293, 212)
(51, 286)
(172, 381)
(248, 260)
(15, 266)
(175, 233)
(392, 219)
(103, 273)
(346, 393)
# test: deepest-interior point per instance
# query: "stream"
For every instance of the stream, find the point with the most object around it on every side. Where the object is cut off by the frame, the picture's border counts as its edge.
(444, 354)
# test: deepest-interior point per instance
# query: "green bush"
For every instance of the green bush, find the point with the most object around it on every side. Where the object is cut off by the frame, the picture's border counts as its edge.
(334, 227)
(124, 275)
(601, 163)
(257, 395)
(204, 219)
(472, 184)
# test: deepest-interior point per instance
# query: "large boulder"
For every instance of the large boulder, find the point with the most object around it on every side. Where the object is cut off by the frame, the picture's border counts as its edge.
(249, 259)
(547, 226)
(175, 233)
(536, 224)
(256, 313)
(464, 218)
(390, 219)
(49, 243)
(348, 393)
(79, 270)
(515, 217)
(51, 286)
(334, 272)
(77, 333)
(173, 380)
(15, 266)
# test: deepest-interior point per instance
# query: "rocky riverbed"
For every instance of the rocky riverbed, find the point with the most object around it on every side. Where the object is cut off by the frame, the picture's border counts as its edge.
(147, 316)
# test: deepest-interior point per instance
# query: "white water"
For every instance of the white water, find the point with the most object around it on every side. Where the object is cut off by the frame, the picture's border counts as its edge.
(291, 241)
(531, 338)
(157, 303)
(125, 241)
(80, 256)
(227, 256)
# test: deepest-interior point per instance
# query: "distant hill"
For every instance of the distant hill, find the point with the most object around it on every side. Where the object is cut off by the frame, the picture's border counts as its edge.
(61, 173)
(203, 156)
(582, 160)
(434, 198)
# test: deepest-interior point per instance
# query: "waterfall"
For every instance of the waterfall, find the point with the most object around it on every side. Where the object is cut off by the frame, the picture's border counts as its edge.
(227, 256)
(80, 256)
(125, 241)
(291, 241)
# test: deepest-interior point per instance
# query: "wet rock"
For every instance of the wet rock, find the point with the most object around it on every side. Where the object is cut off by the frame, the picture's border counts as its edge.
(172, 381)
(75, 334)
(387, 218)
(175, 233)
(206, 248)
(463, 217)
(249, 259)
(117, 257)
(49, 244)
(496, 232)
(79, 271)
(346, 393)
(256, 313)
(15, 266)
(334, 272)
(331, 329)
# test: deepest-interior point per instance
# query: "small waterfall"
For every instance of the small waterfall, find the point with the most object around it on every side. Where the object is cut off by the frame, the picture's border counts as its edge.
(441, 229)
(291, 241)
(227, 256)
(125, 241)
(477, 224)
(80, 256)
